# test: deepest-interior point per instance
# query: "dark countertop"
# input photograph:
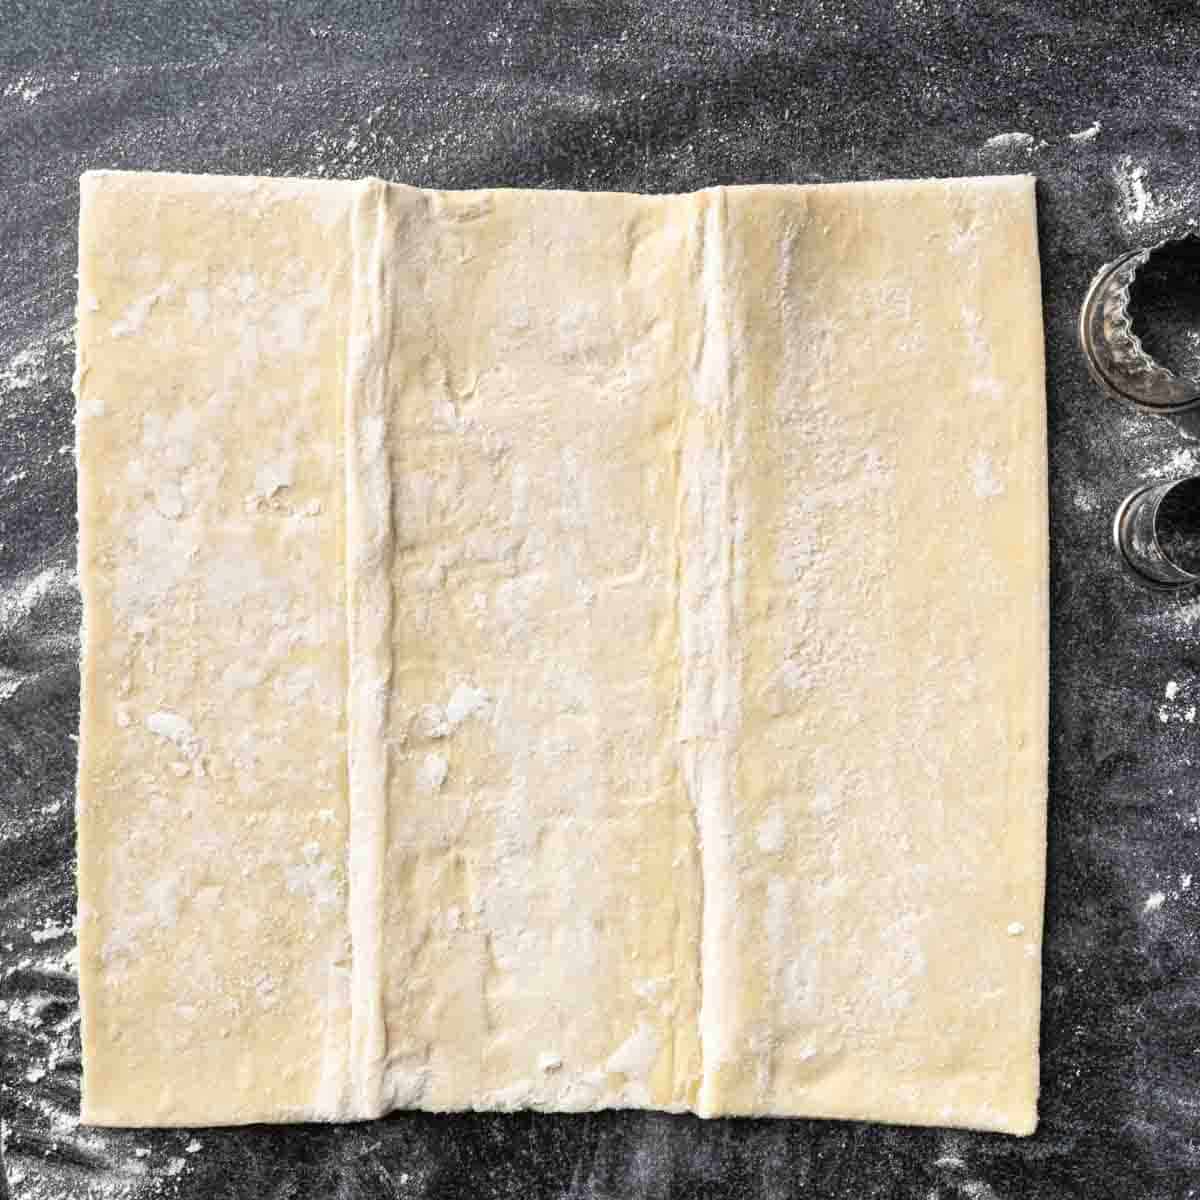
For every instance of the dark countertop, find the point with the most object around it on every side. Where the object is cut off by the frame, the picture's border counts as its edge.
(662, 95)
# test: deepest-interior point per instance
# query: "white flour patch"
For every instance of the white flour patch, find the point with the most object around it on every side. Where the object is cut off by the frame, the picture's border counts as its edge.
(1086, 135)
(175, 729)
(1085, 499)
(1184, 713)
(635, 1057)
(28, 368)
(1170, 711)
(1002, 142)
(273, 477)
(650, 989)
(38, 610)
(31, 593)
(199, 305)
(984, 479)
(432, 773)
(976, 1189)
(135, 315)
(1142, 207)
(771, 832)
(51, 931)
(1154, 902)
(312, 877)
(27, 88)
(465, 701)
(1181, 619)
(1185, 461)
(1131, 180)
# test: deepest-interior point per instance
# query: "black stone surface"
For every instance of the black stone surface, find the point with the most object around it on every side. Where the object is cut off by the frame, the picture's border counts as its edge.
(659, 95)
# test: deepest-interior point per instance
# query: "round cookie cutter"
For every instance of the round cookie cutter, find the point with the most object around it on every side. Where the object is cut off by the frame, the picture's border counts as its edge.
(1136, 537)
(1114, 353)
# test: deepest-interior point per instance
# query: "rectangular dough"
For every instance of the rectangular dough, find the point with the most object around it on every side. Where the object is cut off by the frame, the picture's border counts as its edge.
(560, 650)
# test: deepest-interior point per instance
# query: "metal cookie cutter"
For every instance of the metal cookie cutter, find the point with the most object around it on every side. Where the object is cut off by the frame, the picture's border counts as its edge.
(1114, 352)
(1138, 533)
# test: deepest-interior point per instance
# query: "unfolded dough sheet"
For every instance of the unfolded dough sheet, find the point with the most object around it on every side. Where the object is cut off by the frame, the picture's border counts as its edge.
(559, 650)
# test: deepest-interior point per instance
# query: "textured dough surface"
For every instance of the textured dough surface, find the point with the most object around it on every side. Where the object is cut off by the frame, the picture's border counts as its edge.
(561, 650)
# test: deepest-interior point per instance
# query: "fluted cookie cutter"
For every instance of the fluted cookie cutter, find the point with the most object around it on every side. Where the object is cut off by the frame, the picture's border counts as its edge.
(1137, 533)
(1114, 353)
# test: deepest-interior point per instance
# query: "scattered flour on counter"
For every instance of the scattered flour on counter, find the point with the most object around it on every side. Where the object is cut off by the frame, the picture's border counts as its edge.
(37, 620)
(951, 1153)
(976, 1189)
(1185, 461)
(29, 368)
(27, 88)
(1169, 711)
(1181, 618)
(1131, 181)
(18, 605)
(1086, 135)
(50, 931)
(1141, 208)
(1154, 902)
(1177, 712)
(1010, 141)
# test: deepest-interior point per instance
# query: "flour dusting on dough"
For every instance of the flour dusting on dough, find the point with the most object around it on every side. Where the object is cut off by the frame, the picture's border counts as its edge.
(313, 876)
(175, 729)
(466, 701)
(771, 832)
(635, 1059)
(984, 480)
(432, 773)
(135, 315)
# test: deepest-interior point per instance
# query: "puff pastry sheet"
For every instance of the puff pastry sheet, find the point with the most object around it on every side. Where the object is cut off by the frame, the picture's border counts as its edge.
(562, 651)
